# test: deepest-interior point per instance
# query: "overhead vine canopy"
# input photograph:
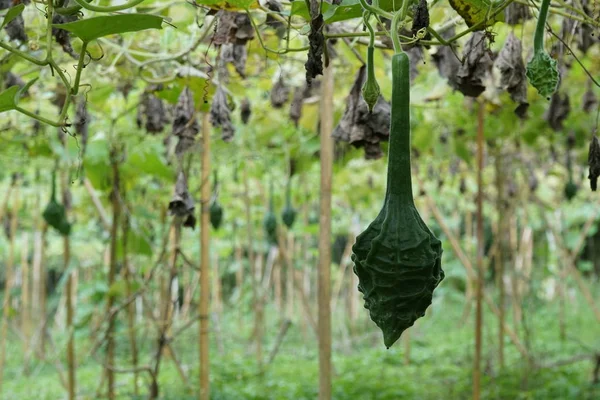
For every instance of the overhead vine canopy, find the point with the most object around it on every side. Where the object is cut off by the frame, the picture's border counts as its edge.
(140, 66)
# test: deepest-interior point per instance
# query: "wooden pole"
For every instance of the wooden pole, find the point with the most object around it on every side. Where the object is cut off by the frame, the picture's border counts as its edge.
(204, 260)
(112, 273)
(502, 249)
(70, 314)
(324, 284)
(480, 250)
(8, 278)
(25, 294)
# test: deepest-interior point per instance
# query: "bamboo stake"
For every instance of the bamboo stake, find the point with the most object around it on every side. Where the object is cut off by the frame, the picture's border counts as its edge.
(480, 251)
(97, 203)
(501, 237)
(324, 275)
(131, 306)
(204, 261)
(25, 294)
(112, 273)
(471, 272)
(8, 277)
(289, 277)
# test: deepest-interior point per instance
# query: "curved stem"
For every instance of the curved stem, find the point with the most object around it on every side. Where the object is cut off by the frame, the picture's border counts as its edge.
(394, 32)
(375, 10)
(538, 39)
(129, 4)
(366, 16)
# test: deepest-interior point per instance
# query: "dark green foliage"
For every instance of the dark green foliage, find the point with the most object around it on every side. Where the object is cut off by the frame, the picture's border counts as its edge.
(397, 258)
(55, 214)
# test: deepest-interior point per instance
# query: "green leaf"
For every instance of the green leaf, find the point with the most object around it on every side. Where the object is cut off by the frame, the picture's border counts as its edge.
(477, 11)
(93, 28)
(12, 13)
(7, 99)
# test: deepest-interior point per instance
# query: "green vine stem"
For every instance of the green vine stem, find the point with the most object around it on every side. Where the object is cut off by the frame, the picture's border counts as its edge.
(538, 39)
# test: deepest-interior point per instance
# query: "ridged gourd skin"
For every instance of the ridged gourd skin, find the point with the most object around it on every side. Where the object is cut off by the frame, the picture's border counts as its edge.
(397, 258)
(216, 214)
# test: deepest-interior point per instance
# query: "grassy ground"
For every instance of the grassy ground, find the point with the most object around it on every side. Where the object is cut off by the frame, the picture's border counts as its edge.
(440, 365)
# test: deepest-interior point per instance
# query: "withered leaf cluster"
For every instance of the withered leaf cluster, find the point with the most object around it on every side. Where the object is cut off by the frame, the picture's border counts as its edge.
(558, 110)
(152, 112)
(236, 54)
(234, 30)
(512, 73)
(220, 114)
(516, 13)
(185, 123)
(316, 40)
(182, 203)
(280, 93)
(594, 162)
(82, 122)
(477, 62)
(361, 128)
(63, 37)
(421, 18)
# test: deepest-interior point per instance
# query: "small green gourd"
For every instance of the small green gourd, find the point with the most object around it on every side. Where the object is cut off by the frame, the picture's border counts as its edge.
(215, 210)
(288, 214)
(216, 214)
(397, 258)
(54, 214)
(370, 89)
(270, 221)
(542, 70)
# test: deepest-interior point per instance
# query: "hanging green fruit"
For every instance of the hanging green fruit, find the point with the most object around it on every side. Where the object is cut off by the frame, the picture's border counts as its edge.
(55, 214)
(289, 213)
(215, 209)
(542, 71)
(397, 258)
(270, 221)
(370, 89)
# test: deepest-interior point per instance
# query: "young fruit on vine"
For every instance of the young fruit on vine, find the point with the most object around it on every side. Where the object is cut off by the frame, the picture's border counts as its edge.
(288, 215)
(270, 221)
(542, 70)
(54, 213)
(216, 214)
(397, 258)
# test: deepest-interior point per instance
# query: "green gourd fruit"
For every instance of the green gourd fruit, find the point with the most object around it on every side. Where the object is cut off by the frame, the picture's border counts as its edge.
(54, 214)
(216, 214)
(215, 210)
(397, 258)
(288, 214)
(270, 221)
(542, 70)
(370, 89)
